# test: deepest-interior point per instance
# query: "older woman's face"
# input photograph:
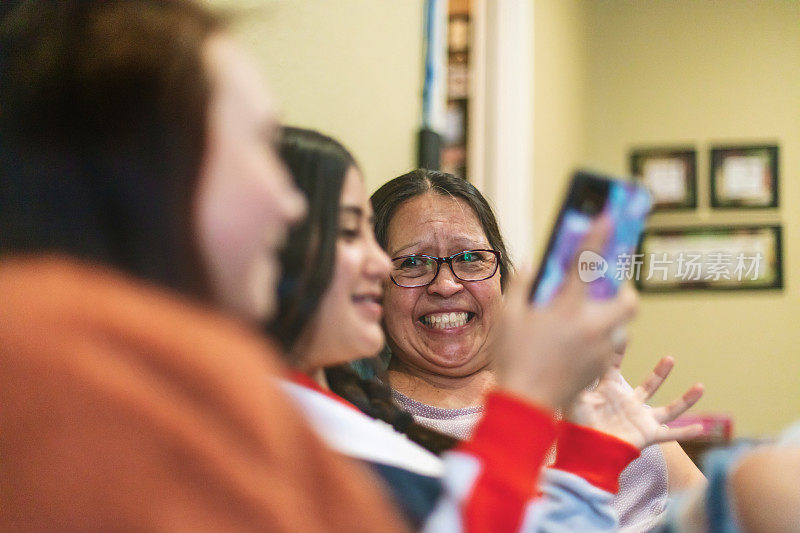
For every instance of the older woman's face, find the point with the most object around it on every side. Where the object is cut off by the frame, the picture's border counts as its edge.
(246, 200)
(440, 226)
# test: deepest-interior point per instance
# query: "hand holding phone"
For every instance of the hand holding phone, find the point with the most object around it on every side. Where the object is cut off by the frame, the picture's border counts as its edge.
(589, 196)
(550, 353)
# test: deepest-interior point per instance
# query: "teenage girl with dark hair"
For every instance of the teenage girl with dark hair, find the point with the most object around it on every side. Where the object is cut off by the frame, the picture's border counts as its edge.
(331, 297)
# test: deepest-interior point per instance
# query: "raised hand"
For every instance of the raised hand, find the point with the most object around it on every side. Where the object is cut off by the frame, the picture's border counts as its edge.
(613, 408)
(550, 354)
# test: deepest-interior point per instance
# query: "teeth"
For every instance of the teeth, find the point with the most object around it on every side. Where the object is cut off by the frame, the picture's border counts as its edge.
(445, 320)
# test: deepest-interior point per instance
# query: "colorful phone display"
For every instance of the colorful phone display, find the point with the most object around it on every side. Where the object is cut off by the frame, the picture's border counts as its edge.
(590, 195)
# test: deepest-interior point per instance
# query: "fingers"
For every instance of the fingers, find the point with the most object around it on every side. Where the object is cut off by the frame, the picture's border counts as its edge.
(619, 338)
(616, 360)
(656, 378)
(679, 434)
(622, 347)
(594, 240)
(597, 236)
(628, 301)
(611, 377)
(519, 286)
(676, 408)
(618, 311)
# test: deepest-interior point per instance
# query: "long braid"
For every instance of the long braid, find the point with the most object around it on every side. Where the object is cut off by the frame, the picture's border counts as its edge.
(374, 398)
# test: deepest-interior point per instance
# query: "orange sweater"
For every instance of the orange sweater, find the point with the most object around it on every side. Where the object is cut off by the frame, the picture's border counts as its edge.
(122, 407)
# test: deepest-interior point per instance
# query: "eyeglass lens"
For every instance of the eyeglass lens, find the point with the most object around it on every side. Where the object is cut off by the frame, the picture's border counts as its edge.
(417, 270)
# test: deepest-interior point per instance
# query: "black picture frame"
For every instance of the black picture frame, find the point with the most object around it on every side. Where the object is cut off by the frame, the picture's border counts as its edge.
(671, 161)
(747, 196)
(656, 242)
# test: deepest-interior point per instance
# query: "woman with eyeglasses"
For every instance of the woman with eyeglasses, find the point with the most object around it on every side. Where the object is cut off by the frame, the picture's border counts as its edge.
(330, 309)
(442, 307)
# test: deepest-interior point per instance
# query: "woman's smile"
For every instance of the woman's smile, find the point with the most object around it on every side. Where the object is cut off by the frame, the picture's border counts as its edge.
(447, 321)
(442, 327)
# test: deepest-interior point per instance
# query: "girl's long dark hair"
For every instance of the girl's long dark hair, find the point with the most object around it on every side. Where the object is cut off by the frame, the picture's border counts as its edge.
(319, 165)
(102, 133)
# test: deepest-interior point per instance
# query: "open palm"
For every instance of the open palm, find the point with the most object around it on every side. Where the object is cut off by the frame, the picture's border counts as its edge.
(613, 408)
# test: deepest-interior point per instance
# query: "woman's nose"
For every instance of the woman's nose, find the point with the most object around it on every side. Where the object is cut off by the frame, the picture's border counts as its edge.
(445, 283)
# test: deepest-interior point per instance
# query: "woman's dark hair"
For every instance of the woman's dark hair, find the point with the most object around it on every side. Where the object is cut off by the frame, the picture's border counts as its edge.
(394, 193)
(319, 165)
(102, 133)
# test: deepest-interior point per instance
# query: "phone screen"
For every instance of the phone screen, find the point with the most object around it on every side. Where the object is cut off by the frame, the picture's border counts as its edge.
(589, 196)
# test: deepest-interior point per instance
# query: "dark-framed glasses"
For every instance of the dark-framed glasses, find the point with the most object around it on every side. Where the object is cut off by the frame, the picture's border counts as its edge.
(419, 270)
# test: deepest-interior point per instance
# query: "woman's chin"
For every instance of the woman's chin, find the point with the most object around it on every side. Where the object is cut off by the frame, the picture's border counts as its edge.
(455, 364)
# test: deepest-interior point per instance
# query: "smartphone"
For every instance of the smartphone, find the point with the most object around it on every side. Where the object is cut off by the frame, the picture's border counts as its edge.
(590, 195)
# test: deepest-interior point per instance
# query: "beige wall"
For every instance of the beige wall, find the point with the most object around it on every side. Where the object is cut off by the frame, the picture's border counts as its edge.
(697, 72)
(560, 72)
(350, 68)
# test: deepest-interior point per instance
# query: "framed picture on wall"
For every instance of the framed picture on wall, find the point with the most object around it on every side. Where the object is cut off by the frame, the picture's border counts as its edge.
(744, 176)
(669, 174)
(708, 258)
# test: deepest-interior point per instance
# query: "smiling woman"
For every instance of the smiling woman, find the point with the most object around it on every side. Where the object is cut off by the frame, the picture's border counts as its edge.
(442, 316)
(333, 270)
(419, 321)
(436, 214)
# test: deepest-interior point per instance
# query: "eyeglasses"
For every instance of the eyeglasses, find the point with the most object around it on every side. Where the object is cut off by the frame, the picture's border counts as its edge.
(419, 270)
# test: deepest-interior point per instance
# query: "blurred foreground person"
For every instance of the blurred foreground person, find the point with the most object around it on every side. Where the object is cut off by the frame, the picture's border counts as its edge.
(749, 489)
(135, 193)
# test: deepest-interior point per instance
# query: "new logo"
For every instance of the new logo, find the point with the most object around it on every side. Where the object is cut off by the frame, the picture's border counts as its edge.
(591, 266)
